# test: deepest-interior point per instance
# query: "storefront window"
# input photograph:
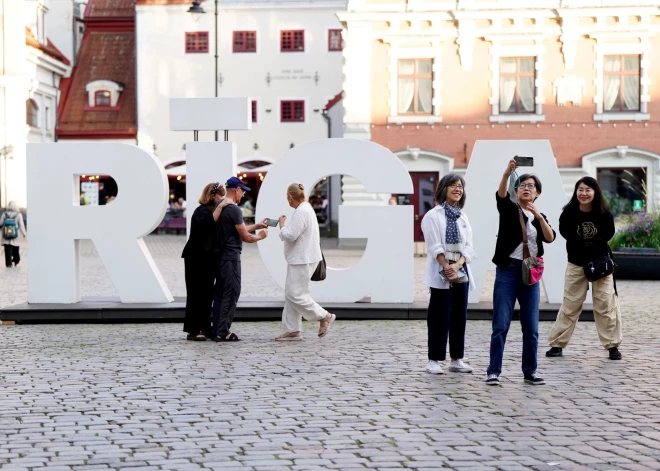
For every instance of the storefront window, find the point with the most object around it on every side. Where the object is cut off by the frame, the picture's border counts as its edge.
(624, 189)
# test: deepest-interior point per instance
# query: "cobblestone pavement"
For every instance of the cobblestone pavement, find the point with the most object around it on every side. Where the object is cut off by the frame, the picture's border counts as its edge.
(138, 396)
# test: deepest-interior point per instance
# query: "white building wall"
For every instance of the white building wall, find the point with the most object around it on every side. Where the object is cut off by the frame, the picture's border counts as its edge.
(164, 70)
(61, 26)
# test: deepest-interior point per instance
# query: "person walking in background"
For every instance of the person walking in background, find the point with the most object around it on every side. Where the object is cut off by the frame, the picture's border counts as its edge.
(587, 225)
(232, 232)
(12, 225)
(302, 251)
(448, 238)
(509, 254)
(199, 258)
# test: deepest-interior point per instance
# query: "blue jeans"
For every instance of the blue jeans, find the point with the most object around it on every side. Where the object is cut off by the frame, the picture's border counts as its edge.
(508, 288)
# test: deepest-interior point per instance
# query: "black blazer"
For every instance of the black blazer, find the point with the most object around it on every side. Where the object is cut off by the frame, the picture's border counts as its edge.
(203, 232)
(509, 233)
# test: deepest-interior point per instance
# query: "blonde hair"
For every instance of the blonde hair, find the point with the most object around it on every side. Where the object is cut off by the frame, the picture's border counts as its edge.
(12, 206)
(208, 193)
(296, 191)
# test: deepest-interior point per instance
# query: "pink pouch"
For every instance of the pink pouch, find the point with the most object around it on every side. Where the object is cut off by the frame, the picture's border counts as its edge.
(532, 270)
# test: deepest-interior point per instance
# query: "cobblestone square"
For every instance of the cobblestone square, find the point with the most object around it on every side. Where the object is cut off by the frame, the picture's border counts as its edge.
(138, 396)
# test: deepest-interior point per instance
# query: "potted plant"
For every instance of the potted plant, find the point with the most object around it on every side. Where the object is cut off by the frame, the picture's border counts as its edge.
(636, 248)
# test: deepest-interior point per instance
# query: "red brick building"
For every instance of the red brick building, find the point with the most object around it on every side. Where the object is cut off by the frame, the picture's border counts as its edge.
(428, 78)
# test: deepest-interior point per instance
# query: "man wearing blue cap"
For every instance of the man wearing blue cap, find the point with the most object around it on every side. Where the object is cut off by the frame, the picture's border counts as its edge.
(232, 232)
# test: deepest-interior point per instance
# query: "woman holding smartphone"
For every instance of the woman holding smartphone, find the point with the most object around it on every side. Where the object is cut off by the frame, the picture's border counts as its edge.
(587, 225)
(509, 286)
(302, 250)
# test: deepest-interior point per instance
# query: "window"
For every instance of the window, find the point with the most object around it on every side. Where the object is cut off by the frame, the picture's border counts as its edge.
(623, 188)
(254, 111)
(334, 40)
(292, 41)
(517, 88)
(245, 41)
(292, 111)
(197, 42)
(32, 113)
(102, 98)
(621, 83)
(415, 88)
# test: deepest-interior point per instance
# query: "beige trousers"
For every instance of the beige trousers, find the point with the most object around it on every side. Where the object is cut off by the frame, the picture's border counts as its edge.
(298, 303)
(607, 314)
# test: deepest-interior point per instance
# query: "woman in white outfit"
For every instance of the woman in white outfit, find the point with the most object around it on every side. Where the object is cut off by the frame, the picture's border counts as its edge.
(302, 250)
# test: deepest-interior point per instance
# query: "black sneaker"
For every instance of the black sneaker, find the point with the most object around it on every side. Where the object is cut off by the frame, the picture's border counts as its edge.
(534, 379)
(615, 354)
(493, 380)
(554, 352)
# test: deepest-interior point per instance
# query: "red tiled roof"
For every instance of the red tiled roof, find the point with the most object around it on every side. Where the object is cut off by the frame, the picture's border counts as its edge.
(332, 102)
(104, 55)
(49, 48)
(97, 9)
(165, 2)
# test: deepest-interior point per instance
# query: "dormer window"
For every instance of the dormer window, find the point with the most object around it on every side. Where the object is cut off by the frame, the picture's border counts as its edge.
(102, 98)
(104, 95)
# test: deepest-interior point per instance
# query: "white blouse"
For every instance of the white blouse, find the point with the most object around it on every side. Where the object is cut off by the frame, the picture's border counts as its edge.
(531, 239)
(302, 240)
(434, 227)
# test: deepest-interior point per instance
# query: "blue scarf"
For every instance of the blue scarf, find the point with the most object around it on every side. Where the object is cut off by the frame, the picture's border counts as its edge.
(452, 235)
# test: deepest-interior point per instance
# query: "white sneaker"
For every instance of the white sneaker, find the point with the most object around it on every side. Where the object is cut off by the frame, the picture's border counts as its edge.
(434, 367)
(457, 366)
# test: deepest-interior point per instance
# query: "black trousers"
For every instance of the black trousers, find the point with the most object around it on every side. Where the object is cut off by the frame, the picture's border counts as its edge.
(12, 255)
(199, 290)
(225, 296)
(447, 318)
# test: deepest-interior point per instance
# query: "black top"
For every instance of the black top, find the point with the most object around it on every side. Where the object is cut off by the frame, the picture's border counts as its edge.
(586, 234)
(202, 234)
(230, 244)
(509, 233)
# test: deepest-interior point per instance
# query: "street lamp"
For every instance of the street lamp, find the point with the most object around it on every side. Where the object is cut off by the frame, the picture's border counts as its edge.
(196, 8)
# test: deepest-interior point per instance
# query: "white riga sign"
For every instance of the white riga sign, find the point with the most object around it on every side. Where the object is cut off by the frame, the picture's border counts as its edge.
(385, 272)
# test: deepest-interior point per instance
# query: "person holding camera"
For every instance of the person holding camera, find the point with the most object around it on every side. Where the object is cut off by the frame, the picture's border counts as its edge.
(523, 230)
(587, 225)
(302, 251)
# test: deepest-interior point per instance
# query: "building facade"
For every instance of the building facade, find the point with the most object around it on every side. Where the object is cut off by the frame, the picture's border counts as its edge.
(32, 67)
(285, 55)
(428, 78)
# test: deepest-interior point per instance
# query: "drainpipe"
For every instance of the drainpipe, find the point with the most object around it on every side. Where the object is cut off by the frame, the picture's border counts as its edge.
(328, 119)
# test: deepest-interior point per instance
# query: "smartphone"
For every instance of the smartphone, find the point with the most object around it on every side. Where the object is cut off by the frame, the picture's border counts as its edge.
(524, 161)
(272, 222)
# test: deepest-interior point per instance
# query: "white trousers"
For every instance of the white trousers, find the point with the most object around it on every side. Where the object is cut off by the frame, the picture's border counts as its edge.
(298, 302)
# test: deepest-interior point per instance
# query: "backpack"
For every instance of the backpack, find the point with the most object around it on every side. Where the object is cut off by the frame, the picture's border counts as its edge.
(10, 228)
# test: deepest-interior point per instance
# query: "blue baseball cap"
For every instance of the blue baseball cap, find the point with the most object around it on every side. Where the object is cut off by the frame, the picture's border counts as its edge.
(235, 182)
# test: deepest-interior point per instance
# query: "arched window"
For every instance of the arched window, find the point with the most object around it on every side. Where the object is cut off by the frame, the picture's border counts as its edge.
(32, 113)
(102, 98)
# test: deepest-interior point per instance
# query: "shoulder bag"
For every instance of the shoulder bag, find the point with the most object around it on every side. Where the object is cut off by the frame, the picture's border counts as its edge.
(319, 273)
(532, 267)
(600, 267)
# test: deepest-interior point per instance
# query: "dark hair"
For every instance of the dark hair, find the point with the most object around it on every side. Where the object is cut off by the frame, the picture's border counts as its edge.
(537, 182)
(443, 185)
(598, 205)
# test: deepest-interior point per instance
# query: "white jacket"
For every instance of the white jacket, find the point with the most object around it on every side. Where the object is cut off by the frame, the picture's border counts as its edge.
(434, 227)
(302, 240)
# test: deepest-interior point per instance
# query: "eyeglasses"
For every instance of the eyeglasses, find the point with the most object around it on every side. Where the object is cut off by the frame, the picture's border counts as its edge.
(456, 187)
(530, 186)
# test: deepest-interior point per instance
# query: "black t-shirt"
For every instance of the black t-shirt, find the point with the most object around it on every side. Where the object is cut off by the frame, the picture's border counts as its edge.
(103, 197)
(230, 243)
(586, 234)
(202, 240)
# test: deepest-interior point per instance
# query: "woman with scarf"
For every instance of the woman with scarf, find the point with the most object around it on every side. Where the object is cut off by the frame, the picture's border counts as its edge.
(448, 237)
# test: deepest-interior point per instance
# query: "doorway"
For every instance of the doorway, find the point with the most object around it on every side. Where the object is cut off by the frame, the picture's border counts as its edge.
(423, 200)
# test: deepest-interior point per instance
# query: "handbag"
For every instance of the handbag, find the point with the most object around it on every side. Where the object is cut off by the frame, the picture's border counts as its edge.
(319, 273)
(532, 267)
(599, 268)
